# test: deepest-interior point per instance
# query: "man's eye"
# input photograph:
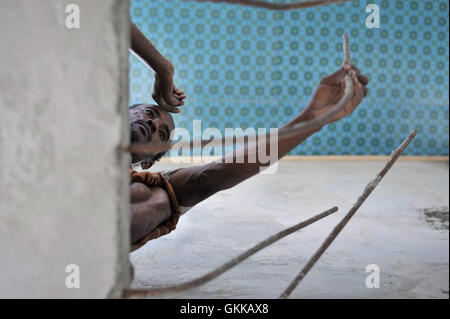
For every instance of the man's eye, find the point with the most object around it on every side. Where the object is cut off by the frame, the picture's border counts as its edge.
(149, 113)
(162, 136)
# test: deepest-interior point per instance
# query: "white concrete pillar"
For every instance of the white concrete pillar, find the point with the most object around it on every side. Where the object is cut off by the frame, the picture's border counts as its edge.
(63, 181)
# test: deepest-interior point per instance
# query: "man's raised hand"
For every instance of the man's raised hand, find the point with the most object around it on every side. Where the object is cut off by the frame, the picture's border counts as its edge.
(165, 94)
(331, 89)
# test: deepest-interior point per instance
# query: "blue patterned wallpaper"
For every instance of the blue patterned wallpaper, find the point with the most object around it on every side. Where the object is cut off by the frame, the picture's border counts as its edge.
(249, 67)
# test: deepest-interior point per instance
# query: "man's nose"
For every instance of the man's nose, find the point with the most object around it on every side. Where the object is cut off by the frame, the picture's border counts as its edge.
(154, 125)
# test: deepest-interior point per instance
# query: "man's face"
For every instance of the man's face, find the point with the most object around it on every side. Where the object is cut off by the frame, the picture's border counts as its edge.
(149, 125)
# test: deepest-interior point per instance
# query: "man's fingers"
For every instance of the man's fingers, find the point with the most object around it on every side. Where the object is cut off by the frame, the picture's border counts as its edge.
(179, 94)
(166, 90)
(178, 91)
(355, 68)
(358, 92)
(180, 99)
(363, 79)
(366, 91)
(170, 99)
(334, 78)
(168, 108)
(163, 105)
(171, 109)
(360, 81)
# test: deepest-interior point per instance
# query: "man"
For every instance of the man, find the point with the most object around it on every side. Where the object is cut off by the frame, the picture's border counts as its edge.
(157, 200)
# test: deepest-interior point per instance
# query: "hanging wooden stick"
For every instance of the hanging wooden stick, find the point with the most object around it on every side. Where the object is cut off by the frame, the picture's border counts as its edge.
(278, 6)
(367, 191)
(220, 270)
(284, 133)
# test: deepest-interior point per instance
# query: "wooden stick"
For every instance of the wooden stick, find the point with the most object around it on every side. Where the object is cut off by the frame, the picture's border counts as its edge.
(346, 50)
(278, 6)
(220, 270)
(282, 134)
(367, 191)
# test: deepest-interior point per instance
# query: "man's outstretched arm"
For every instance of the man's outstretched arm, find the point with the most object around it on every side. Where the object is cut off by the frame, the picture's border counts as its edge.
(194, 184)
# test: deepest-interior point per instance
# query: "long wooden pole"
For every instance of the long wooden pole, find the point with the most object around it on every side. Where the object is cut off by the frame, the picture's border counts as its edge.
(332, 236)
(278, 6)
(145, 293)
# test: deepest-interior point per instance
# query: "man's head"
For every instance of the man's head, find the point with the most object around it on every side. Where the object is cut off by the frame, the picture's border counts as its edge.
(152, 126)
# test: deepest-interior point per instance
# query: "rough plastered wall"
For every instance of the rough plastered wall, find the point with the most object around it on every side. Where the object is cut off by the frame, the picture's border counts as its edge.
(63, 182)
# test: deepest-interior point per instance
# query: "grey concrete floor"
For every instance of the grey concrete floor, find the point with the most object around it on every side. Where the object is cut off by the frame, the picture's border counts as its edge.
(392, 229)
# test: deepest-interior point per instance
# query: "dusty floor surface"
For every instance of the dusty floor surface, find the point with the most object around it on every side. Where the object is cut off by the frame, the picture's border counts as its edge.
(402, 227)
